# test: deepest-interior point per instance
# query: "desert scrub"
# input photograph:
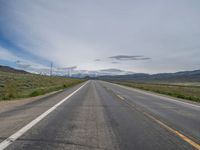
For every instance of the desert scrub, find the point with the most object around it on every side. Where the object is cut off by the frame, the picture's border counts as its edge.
(14, 86)
(10, 89)
(185, 92)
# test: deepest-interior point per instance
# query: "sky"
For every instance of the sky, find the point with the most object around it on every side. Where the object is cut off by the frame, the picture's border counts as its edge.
(134, 35)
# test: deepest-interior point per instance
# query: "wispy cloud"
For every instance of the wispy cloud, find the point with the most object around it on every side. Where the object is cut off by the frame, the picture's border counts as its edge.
(115, 62)
(67, 68)
(7, 55)
(22, 64)
(97, 60)
(127, 57)
(111, 70)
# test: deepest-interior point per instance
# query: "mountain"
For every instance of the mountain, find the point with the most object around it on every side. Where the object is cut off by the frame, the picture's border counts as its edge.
(97, 73)
(184, 76)
(11, 70)
(117, 74)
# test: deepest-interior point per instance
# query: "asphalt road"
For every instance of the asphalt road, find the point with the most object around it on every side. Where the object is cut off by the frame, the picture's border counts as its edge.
(102, 116)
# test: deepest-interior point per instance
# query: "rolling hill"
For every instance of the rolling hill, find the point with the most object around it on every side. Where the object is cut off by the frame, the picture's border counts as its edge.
(20, 84)
(11, 70)
(184, 76)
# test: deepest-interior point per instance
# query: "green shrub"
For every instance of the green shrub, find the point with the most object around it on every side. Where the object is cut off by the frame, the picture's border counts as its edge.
(35, 93)
(10, 89)
(14, 85)
(184, 92)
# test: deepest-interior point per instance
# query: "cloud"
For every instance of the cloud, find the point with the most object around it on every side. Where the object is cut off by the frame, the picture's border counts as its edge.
(22, 64)
(115, 62)
(111, 70)
(97, 60)
(32, 67)
(75, 33)
(127, 57)
(72, 67)
(7, 55)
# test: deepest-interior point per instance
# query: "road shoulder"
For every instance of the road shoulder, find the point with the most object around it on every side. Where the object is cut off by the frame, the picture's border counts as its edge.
(11, 104)
(167, 97)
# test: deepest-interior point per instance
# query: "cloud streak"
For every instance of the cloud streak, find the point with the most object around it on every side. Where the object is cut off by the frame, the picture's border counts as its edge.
(7, 55)
(127, 57)
(97, 60)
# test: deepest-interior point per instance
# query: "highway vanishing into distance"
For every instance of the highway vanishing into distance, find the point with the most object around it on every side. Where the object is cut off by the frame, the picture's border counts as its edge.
(98, 115)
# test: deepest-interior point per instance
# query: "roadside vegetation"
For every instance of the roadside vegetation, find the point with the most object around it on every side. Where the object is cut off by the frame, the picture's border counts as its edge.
(19, 85)
(180, 91)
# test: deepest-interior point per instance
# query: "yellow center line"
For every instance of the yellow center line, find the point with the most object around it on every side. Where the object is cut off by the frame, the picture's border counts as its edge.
(180, 135)
(122, 98)
(183, 137)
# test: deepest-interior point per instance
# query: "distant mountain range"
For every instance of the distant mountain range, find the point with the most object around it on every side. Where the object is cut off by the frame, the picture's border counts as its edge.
(71, 73)
(117, 74)
(184, 76)
(97, 73)
(11, 70)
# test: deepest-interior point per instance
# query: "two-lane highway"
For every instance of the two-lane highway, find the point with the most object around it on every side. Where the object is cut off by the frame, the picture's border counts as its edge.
(101, 115)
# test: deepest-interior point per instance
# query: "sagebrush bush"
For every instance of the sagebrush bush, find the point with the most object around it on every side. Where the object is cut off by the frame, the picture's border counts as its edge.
(16, 85)
(184, 92)
(10, 89)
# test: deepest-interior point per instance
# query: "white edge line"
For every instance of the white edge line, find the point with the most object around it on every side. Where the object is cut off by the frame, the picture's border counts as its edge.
(24, 129)
(155, 95)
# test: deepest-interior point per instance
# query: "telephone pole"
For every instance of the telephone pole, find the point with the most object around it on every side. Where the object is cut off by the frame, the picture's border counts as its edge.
(51, 69)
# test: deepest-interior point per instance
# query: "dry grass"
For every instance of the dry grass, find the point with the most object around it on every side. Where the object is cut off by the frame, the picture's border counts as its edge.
(185, 92)
(26, 85)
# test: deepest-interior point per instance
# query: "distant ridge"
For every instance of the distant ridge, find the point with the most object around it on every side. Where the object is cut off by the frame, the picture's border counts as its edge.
(11, 70)
(183, 76)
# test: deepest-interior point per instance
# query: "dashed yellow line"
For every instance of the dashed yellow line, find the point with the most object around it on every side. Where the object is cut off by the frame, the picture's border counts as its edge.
(180, 135)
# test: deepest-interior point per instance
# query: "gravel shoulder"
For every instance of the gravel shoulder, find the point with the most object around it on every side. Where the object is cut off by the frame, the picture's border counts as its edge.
(11, 104)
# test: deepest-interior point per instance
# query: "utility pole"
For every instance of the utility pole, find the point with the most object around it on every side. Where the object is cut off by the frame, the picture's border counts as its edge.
(69, 72)
(51, 69)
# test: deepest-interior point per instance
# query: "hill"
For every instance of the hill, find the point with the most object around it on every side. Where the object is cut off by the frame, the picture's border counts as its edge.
(184, 76)
(11, 70)
(18, 83)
